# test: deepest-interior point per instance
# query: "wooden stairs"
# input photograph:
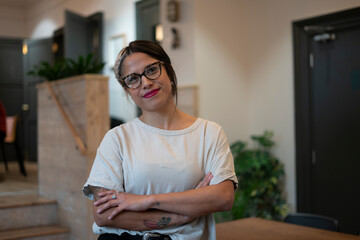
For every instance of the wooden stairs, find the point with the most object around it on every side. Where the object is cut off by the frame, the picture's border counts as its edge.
(30, 217)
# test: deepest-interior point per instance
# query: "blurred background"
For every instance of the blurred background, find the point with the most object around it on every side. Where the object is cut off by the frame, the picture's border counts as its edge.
(237, 56)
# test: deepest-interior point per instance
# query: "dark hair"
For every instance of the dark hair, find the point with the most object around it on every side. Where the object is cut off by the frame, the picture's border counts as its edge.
(152, 49)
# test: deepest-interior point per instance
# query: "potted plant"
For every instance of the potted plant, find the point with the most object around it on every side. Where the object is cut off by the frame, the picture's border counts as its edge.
(260, 176)
(67, 67)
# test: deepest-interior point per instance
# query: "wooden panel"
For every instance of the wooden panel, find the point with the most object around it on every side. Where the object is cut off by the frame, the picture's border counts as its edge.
(97, 112)
(62, 168)
(259, 229)
(50, 232)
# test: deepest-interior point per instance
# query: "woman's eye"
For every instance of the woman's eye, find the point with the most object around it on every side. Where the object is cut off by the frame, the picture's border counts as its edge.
(132, 79)
(152, 69)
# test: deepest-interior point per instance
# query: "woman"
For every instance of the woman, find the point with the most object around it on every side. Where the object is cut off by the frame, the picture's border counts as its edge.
(146, 177)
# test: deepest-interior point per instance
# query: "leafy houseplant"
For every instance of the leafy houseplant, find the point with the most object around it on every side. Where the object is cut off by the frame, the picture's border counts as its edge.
(67, 68)
(260, 176)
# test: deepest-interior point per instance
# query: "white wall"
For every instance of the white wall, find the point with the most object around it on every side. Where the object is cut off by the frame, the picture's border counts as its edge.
(244, 66)
(182, 57)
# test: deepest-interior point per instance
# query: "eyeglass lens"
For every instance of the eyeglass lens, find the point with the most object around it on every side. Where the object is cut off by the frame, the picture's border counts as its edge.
(152, 72)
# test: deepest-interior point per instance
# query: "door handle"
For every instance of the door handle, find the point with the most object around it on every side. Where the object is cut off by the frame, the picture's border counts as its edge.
(25, 107)
(313, 157)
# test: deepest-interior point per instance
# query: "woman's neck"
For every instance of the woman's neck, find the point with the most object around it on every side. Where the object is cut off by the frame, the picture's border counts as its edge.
(170, 120)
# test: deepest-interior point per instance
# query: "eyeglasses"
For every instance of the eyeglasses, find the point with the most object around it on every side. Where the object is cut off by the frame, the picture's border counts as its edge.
(152, 72)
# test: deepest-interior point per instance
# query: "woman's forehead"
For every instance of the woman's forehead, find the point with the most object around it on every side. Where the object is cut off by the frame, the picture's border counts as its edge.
(138, 60)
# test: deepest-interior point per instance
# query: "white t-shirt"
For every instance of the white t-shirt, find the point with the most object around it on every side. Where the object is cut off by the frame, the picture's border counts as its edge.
(141, 159)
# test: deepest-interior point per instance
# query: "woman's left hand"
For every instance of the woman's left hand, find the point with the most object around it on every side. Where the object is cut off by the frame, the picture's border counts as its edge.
(122, 201)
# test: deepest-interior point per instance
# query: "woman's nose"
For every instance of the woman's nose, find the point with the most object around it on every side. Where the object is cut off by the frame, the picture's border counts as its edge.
(146, 82)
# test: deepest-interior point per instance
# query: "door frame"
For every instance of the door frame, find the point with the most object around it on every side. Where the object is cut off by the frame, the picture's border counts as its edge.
(140, 6)
(29, 112)
(303, 30)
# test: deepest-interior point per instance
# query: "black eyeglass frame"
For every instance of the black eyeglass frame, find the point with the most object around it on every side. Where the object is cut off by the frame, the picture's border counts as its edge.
(143, 74)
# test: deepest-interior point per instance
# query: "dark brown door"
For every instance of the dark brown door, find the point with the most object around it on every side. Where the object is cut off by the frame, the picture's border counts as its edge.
(11, 85)
(329, 171)
(83, 35)
(147, 17)
(335, 86)
(38, 50)
(11, 75)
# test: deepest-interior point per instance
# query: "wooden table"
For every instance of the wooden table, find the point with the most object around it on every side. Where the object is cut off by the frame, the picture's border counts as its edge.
(260, 229)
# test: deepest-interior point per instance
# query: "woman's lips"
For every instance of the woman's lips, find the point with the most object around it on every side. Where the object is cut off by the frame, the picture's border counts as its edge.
(151, 93)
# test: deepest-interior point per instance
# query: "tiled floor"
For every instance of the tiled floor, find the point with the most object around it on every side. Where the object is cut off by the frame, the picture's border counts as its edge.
(13, 183)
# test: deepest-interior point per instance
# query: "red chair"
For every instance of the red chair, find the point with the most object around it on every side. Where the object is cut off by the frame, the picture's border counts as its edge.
(10, 139)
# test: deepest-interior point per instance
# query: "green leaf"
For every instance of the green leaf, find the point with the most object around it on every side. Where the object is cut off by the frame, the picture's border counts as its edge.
(260, 176)
(67, 68)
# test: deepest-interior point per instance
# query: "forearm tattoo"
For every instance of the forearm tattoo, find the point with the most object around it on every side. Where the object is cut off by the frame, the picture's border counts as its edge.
(164, 221)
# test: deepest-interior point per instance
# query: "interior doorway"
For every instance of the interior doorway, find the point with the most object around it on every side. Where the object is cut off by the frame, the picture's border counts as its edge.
(327, 108)
(147, 18)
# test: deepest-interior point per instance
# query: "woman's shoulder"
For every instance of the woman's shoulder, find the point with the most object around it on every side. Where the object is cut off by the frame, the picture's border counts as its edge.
(124, 126)
(210, 125)
(120, 130)
(211, 128)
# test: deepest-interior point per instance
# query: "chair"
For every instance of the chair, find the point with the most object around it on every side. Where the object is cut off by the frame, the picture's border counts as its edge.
(114, 122)
(11, 124)
(313, 220)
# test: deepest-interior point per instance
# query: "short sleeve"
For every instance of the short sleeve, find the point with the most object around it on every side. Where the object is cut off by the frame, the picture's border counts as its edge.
(107, 171)
(220, 161)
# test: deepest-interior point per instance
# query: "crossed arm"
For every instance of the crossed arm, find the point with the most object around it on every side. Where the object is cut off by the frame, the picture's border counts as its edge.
(148, 212)
(133, 220)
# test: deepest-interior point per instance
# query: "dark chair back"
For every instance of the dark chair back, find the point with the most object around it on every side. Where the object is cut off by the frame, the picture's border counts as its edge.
(313, 220)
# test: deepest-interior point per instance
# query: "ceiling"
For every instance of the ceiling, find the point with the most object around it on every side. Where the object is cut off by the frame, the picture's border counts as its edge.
(18, 3)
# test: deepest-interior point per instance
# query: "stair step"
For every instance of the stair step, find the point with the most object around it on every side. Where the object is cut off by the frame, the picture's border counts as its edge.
(52, 232)
(28, 210)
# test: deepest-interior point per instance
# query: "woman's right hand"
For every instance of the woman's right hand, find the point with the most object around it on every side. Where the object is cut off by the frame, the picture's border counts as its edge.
(205, 181)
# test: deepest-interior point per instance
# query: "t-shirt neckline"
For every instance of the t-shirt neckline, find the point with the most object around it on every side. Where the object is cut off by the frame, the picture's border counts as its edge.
(191, 128)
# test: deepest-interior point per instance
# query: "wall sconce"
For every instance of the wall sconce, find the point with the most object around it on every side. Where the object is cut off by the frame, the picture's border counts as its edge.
(159, 33)
(176, 38)
(172, 11)
(24, 48)
(55, 47)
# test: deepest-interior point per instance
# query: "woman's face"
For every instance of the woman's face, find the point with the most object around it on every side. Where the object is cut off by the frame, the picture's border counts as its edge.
(151, 95)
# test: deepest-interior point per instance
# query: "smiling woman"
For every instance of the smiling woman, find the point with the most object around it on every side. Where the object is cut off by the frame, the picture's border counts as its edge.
(164, 173)
(155, 92)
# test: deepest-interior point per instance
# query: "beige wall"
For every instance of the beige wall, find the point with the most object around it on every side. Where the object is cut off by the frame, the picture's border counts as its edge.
(244, 67)
(12, 22)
